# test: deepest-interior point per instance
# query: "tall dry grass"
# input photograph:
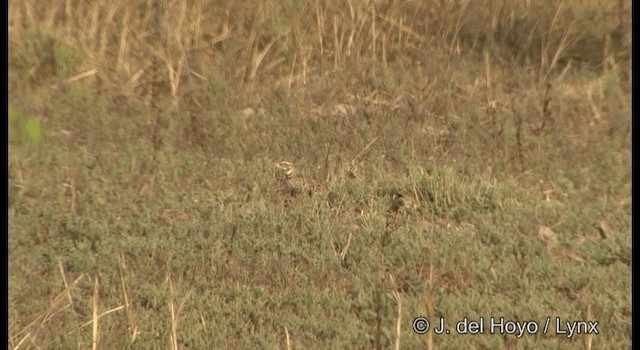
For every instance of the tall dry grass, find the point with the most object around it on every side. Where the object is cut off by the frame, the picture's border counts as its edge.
(167, 50)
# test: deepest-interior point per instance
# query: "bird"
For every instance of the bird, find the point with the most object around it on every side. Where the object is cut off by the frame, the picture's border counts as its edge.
(351, 171)
(556, 252)
(294, 181)
(603, 229)
(403, 201)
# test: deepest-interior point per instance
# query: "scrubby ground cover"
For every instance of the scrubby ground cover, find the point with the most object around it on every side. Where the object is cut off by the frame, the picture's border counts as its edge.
(146, 210)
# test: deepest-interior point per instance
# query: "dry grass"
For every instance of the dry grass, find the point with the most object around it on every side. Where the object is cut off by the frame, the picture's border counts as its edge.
(144, 204)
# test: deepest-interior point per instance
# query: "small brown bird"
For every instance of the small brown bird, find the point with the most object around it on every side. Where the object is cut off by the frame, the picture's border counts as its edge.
(352, 171)
(603, 229)
(403, 201)
(294, 181)
(556, 252)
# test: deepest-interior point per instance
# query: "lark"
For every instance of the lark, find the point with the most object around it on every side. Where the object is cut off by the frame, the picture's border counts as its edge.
(352, 171)
(294, 181)
(556, 252)
(403, 201)
(603, 229)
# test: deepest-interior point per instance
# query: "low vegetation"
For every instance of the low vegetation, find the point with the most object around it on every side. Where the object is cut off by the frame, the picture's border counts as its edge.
(146, 209)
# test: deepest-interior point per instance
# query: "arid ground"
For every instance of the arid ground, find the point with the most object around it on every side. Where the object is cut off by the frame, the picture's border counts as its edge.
(465, 160)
